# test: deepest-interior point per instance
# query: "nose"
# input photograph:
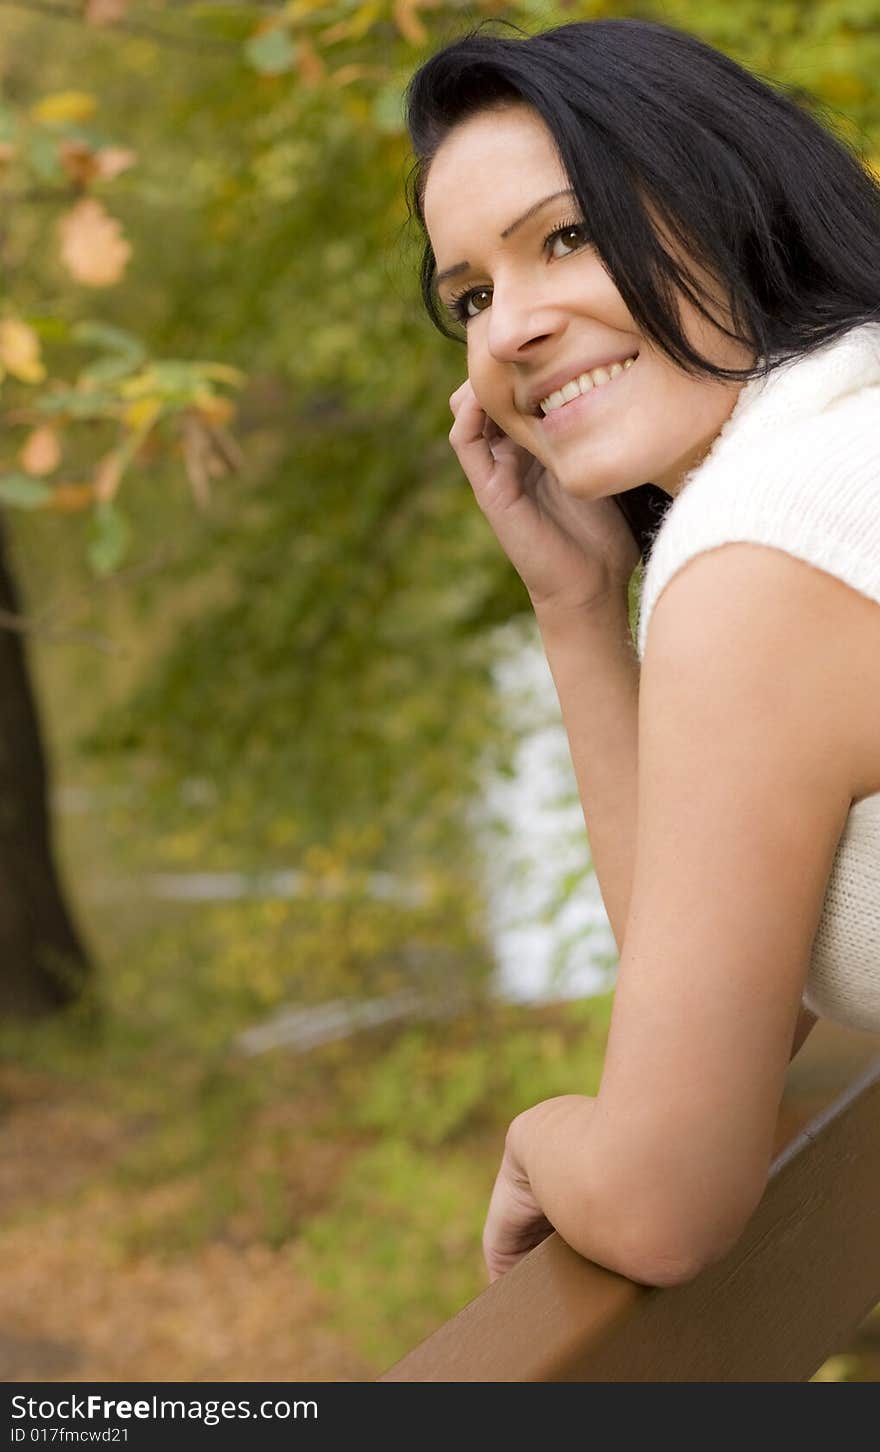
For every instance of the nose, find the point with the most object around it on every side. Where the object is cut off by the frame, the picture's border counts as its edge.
(519, 320)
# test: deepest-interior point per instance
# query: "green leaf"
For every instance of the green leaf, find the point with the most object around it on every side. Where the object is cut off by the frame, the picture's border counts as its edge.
(110, 535)
(110, 369)
(77, 405)
(272, 52)
(23, 491)
(50, 329)
(388, 110)
(8, 124)
(93, 333)
(127, 352)
(42, 154)
(173, 375)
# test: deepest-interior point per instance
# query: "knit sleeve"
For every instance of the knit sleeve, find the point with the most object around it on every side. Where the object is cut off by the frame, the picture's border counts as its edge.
(812, 490)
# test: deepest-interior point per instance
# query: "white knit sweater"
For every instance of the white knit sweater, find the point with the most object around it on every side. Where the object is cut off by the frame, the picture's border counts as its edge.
(797, 467)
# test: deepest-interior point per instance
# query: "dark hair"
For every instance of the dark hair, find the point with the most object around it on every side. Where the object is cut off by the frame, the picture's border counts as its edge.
(741, 176)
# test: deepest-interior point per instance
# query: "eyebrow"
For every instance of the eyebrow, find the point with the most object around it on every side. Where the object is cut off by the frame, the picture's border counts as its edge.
(463, 266)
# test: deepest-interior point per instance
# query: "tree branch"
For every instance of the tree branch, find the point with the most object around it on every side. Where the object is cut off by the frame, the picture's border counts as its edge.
(28, 625)
(42, 624)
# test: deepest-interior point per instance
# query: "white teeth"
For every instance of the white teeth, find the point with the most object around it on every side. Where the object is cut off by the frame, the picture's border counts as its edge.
(584, 384)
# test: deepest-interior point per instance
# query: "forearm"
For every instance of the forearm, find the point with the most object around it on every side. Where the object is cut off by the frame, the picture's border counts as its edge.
(595, 669)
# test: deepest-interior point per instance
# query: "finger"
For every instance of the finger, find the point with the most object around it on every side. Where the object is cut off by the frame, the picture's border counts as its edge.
(468, 439)
(456, 397)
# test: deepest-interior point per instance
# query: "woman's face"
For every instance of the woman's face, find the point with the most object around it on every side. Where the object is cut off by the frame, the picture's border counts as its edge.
(542, 311)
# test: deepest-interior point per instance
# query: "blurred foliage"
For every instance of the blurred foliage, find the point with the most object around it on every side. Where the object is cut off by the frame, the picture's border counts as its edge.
(343, 677)
(299, 670)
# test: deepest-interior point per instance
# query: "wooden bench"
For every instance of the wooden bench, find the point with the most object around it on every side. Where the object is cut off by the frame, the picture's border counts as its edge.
(804, 1274)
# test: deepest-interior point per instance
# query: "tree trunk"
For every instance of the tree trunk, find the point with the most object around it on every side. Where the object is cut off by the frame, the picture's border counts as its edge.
(43, 965)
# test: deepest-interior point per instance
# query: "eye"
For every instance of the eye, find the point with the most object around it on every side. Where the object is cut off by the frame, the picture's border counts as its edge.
(576, 230)
(572, 236)
(460, 305)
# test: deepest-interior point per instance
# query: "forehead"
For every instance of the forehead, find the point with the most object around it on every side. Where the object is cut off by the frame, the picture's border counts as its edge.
(494, 164)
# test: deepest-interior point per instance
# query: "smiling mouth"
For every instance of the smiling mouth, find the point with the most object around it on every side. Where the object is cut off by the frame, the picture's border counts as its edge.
(584, 384)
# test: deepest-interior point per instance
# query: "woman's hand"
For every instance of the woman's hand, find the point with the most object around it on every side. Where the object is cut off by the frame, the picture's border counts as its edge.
(548, 1145)
(515, 1222)
(570, 553)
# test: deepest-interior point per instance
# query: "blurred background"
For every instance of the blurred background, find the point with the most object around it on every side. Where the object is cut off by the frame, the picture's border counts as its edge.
(296, 903)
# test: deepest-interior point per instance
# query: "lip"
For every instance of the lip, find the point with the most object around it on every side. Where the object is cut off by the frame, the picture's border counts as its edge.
(559, 379)
(560, 420)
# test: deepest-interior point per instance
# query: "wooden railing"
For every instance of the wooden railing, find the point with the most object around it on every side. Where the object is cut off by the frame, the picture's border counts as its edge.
(803, 1276)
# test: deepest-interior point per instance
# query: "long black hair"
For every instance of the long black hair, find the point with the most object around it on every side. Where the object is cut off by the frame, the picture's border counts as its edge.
(742, 176)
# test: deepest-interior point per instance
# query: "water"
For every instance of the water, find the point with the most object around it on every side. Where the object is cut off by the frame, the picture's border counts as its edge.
(549, 928)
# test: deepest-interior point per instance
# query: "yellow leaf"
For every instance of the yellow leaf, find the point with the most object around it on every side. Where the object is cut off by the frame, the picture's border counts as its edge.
(298, 9)
(138, 387)
(215, 409)
(223, 372)
(141, 414)
(20, 351)
(63, 106)
(873, 165)
(365, 17)
(41, 452)
(92, 246)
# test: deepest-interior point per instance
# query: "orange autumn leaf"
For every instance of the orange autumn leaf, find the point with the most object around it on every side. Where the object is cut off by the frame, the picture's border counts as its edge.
(92, 246)
(114, 159)
(107, 477)
(354, 72)
(69, 498)
(408, 22)
(214, 408)
(83, 164)
(309, 63)
(41, 452)
(103, 12)
(78, 160)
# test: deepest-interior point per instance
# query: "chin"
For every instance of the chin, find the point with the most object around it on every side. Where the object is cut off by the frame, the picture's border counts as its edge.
(589, 484)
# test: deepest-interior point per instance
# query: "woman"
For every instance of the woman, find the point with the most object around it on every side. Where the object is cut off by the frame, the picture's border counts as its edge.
(668, 277)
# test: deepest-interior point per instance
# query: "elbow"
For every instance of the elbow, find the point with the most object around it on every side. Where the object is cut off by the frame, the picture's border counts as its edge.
(683, 1252)
(661, 1263)
(672, 1246)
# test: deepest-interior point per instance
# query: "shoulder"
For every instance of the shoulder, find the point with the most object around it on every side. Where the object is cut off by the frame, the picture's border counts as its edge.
(750, 633)
(811, 491)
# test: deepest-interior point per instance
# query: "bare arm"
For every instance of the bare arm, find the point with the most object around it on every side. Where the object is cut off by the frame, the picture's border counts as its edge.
(736, 837)
(596, 672)
(595, 669)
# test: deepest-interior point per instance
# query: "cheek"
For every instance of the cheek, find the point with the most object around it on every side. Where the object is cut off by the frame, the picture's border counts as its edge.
(488, 387)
